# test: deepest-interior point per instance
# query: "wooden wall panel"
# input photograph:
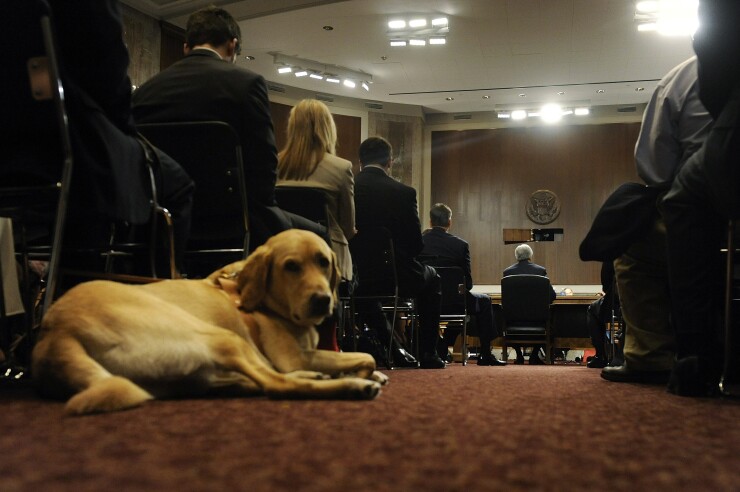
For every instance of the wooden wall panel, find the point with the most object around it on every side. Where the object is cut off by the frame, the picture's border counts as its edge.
(487, 177)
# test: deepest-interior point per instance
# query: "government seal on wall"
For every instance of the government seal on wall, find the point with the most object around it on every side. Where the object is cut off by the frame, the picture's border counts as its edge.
(543, 207)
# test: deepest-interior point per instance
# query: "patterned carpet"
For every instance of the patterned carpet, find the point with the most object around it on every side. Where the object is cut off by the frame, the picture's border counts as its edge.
(462, 428)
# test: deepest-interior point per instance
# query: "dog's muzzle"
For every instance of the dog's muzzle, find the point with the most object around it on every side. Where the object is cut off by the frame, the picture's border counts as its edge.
(320, 304)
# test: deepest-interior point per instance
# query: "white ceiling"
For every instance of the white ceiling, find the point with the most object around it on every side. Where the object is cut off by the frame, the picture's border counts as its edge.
(495, 48)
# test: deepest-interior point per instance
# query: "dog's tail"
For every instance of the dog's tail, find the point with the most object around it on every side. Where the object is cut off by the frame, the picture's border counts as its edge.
(62, 367)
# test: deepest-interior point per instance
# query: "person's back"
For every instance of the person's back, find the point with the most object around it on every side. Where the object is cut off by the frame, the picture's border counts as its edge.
(205, 86)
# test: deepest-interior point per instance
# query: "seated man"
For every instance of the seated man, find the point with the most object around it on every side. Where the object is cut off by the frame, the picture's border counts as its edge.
(207, 85)
(450, 250)
(524, 266)
(381, 201)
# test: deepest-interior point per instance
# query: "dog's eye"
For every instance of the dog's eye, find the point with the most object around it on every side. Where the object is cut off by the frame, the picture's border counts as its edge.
(323, 261)
(292, 266)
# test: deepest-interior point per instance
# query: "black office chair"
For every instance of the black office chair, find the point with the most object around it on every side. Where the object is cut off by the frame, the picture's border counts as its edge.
(525, 301)
(210, 152)
(454, 309)
(374, 256)
(305, 201)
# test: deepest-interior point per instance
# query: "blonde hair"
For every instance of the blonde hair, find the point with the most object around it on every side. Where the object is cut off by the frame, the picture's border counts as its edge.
(311, 134)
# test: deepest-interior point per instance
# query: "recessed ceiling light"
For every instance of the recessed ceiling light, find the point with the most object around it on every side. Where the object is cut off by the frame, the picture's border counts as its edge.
(365, 86)
(551, 113)
(397, 24)
(302, 73)
(417, 22)
(249, 57)
(449, 98)
(639, 89)
(285, 69)
(486, 97)
(440, 21)
(417, 42)
(522, 95)
(437, 41)
(398, 42)
(327, 28)
(560, 93)
(581, 111)
(519, 114)
(600, 91)
(332, 80)
(316, 76)
(350, 83)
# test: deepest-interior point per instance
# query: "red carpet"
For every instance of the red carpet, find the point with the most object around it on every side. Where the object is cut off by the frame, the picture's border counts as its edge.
(462, 428)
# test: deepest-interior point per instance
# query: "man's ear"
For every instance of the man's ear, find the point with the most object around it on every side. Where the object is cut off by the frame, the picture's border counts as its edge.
(254, 278)
(186, 49)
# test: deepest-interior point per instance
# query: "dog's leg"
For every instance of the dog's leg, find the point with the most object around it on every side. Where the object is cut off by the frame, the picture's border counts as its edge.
(343, 364)
(64, 362)
(233, 353)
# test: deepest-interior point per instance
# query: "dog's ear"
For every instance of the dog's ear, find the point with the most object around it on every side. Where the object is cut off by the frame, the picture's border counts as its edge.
(254, 278)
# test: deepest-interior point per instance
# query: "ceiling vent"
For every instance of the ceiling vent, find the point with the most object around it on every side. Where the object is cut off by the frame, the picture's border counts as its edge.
(324, 97)
(627, 109)
(275, 88)
(373, 105)
(462, 117)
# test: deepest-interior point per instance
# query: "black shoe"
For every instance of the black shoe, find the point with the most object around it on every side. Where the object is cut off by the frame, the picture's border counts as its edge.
(432, 361)
(691, 377)
(535, 361)
(491, 360)
(401, 358)
(623, 374)
(596, 363)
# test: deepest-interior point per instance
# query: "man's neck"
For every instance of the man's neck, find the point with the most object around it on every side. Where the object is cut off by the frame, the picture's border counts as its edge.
(208, 48)
(377, 166)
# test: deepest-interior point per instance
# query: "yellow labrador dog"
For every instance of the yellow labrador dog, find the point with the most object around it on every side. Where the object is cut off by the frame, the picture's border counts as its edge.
(247, 329)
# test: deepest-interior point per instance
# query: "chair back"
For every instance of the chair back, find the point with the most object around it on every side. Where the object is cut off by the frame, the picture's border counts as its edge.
(454, 290)
(210, 152)
(36, 162)
(373, 254)
(525, 300)
(310, 203)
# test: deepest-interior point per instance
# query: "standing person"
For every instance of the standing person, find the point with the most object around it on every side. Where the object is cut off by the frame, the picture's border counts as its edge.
(381, 201)
(674, 126)
(309, 159)
(525, 266)
(110, 180)
(704, 195)
(450, 250)
(207, 85)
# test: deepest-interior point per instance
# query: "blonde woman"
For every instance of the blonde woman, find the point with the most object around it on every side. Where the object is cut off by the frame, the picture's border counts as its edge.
(309, 159)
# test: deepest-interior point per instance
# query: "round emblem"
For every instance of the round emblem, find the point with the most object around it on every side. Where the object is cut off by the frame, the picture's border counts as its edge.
(543, 207)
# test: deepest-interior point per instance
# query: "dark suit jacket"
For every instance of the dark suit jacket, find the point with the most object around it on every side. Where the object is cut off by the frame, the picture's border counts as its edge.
(109, 174)
(202, 87)
(526, 267)
(381, 201)
(449, 250)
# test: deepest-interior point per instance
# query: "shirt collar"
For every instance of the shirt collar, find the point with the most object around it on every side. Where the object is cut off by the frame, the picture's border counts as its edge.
(376, 166)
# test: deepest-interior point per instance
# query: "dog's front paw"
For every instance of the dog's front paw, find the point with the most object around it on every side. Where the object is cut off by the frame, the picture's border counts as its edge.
(307, 375)
(371, 390)
(379, 377)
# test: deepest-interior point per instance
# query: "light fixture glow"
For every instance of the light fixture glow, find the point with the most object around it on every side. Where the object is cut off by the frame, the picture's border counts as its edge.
(518, 114)
(398, 42)
(668, 17)
(302, 73)
(316, 76)
(417, 23)
(550, 113)
(397, 24)
(582, 111)
(417, 42)
(332, 80)
(503, 116)
(647, 6)
(648, 26)
(437, 41)
(285, 69)
(365, 86)
(439, 21)
(349, 83)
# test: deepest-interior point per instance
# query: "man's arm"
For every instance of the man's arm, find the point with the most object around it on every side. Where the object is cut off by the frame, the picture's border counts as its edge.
(466, 267)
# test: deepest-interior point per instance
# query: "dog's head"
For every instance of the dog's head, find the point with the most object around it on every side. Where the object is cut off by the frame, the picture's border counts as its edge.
(294, 274)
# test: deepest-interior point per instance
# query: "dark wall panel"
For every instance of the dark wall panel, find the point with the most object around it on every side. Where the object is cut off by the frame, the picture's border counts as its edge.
(487, 177)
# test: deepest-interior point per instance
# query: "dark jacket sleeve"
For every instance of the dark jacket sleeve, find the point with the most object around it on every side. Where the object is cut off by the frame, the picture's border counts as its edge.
(466, 268)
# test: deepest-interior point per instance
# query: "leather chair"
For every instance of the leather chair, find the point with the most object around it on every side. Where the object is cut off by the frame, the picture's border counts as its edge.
(525, 301)
(211, 154)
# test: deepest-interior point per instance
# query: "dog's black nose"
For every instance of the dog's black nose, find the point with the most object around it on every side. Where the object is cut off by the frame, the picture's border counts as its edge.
(320, 304)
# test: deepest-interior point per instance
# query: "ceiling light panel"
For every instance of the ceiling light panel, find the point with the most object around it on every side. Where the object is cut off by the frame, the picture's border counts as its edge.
(417, 30)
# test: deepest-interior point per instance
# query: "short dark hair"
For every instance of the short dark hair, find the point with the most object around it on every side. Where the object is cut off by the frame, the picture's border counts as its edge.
(375, 150)
(214, 26)
(440, 215)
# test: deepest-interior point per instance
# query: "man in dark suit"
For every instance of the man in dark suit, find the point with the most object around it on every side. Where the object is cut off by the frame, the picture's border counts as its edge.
(110, 180)
(381, 201)
(207, 85)
(524, 266)
(447, 250)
